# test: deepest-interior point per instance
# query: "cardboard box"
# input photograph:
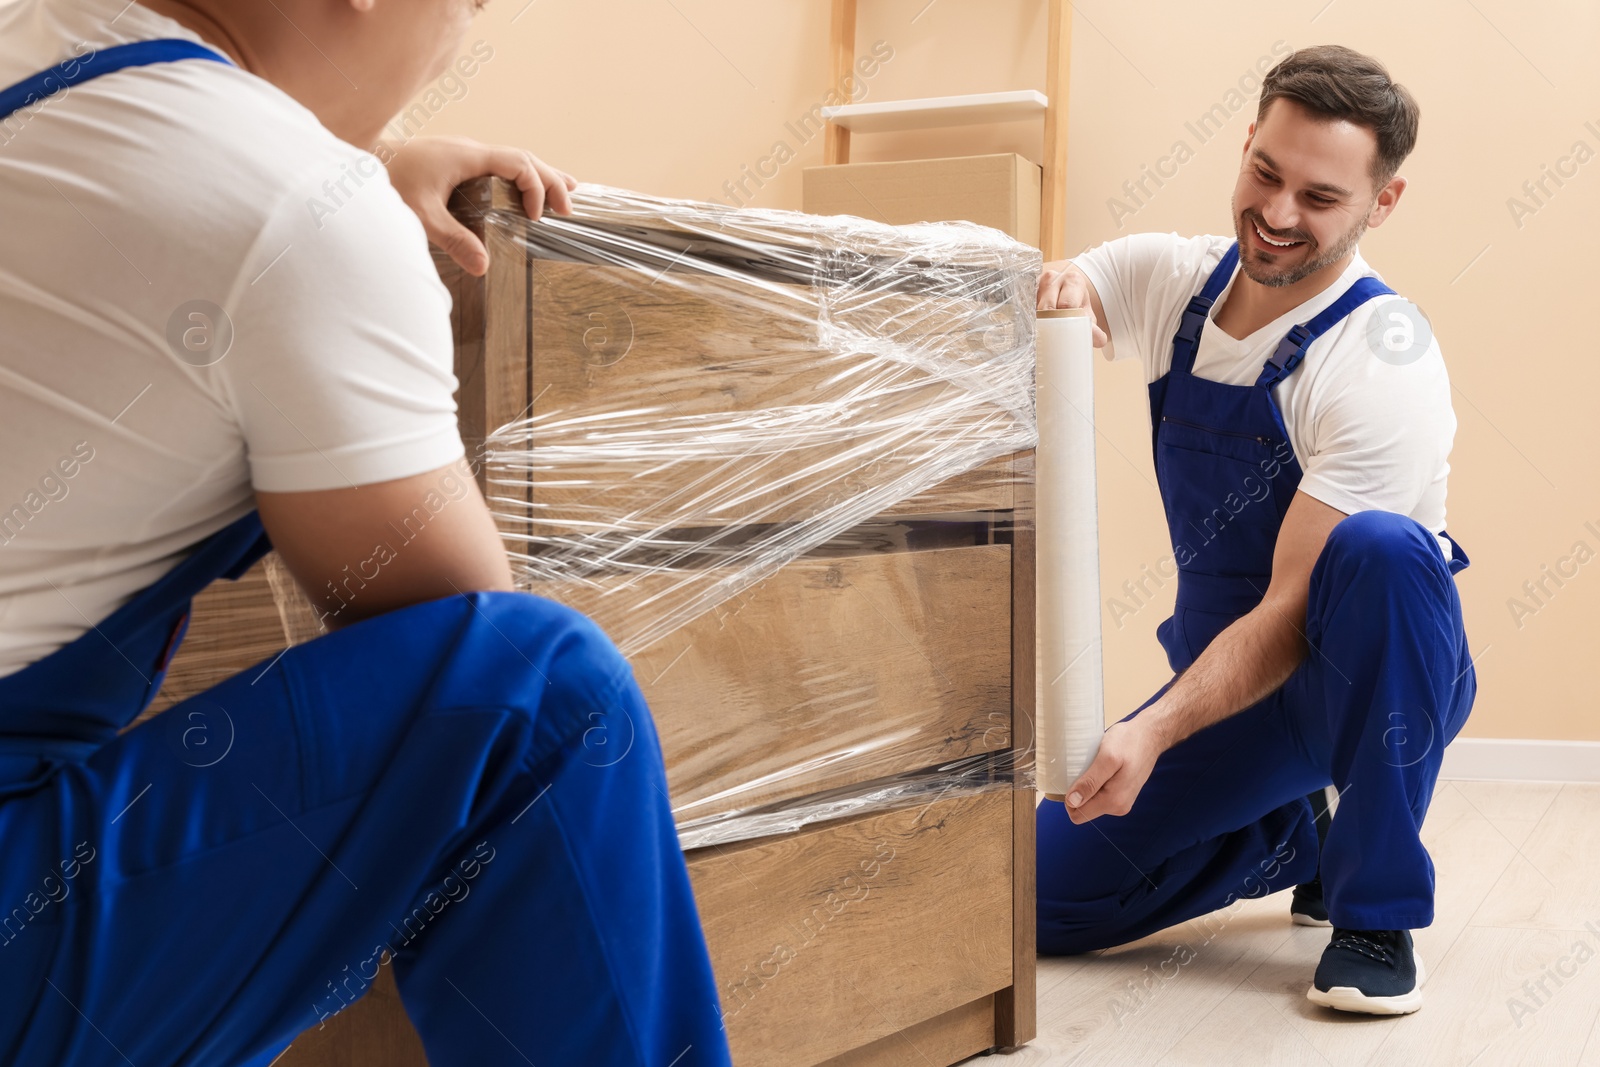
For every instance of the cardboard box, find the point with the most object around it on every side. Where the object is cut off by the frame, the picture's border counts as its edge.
(1001, 191)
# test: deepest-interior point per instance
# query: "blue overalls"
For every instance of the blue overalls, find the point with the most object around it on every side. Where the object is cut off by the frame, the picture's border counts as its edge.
(468, 790)
(1386, 683)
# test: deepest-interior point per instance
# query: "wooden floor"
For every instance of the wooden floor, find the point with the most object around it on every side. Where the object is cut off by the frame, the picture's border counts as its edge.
(1518, 874)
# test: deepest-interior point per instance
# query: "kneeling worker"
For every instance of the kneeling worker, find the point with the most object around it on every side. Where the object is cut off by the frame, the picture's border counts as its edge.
(1302, 425)
(222, 322)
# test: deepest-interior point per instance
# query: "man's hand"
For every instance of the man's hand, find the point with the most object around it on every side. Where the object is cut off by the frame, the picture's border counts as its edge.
(1127, 755)
(426, 170)
(1243, 664)
(1062, 285)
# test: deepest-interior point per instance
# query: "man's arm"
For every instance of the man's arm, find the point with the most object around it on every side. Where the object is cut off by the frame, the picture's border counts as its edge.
(1243, 664)
(359, 552)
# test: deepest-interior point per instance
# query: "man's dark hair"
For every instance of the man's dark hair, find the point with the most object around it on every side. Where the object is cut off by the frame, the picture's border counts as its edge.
(1335, 82)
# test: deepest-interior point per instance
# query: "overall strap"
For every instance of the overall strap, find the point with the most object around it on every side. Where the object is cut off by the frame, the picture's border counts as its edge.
(70, 72)
(1458, 559)
(109, 673)
(1187, 339)
(1292, 349)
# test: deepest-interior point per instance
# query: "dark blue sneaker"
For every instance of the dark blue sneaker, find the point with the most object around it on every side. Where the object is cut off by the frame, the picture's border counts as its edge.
(1371, 971)
(1306, 907)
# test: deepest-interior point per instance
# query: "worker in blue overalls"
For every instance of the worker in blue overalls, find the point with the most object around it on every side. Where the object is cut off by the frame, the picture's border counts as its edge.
(1301, 421)
(222, 322)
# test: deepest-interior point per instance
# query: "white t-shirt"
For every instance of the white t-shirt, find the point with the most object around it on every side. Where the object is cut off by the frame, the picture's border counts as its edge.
(125, 200)
(1370, 434)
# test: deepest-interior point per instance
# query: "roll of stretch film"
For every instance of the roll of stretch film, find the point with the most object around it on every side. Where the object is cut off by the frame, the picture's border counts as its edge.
(1071, 680)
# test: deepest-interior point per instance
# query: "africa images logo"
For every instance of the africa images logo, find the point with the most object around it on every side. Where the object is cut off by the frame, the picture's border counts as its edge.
(1399, 332)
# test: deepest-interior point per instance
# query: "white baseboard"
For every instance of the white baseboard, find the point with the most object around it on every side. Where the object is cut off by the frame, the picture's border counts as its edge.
(1517, 760)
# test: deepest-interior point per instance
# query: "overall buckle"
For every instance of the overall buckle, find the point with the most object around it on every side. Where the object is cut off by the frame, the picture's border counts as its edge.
(1293, 342)
(1194, 318)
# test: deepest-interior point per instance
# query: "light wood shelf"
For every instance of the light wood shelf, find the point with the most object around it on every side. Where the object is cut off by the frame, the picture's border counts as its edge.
(933, 111)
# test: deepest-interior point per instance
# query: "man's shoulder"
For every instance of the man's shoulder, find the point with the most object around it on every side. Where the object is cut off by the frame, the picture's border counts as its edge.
(1178, 265)
(1172, 244)
(1383, 353)
(1164, 260)
(1385, 322)
(247, 149)
(203, 157)
(246, 173)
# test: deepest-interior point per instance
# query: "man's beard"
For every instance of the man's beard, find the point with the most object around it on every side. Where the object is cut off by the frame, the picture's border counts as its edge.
(1277, 278)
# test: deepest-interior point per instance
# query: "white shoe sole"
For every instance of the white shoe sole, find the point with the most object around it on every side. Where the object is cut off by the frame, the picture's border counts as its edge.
(1348, 998)
(1306, 920)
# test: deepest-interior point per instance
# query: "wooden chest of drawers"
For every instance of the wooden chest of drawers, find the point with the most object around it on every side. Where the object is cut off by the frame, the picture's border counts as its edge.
(880, 653)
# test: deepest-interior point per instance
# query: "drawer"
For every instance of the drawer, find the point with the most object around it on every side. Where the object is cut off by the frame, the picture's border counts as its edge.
(835, 937)
(704, 401)
(832, 671)
(695, 405)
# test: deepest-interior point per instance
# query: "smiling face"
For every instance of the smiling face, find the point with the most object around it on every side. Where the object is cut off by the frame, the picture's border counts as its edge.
(1304, 195)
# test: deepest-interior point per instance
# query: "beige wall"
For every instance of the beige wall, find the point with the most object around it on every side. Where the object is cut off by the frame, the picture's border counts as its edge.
(675, 98)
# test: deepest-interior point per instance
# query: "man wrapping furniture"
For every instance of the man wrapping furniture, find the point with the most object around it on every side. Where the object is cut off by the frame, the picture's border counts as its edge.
(1302, 423)
(223, 323)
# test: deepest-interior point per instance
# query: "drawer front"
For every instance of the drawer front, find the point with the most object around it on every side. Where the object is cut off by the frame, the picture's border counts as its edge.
(830, 939)
(831, 672)
(715, 404)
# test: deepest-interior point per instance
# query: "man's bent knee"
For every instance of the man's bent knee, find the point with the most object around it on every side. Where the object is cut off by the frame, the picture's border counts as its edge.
(518, 652)
(1381, 540)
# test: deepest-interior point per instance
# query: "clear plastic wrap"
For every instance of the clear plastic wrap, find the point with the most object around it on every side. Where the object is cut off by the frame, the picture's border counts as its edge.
(749, 384)
(984, 773)
(783, 461)
(775, 456)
